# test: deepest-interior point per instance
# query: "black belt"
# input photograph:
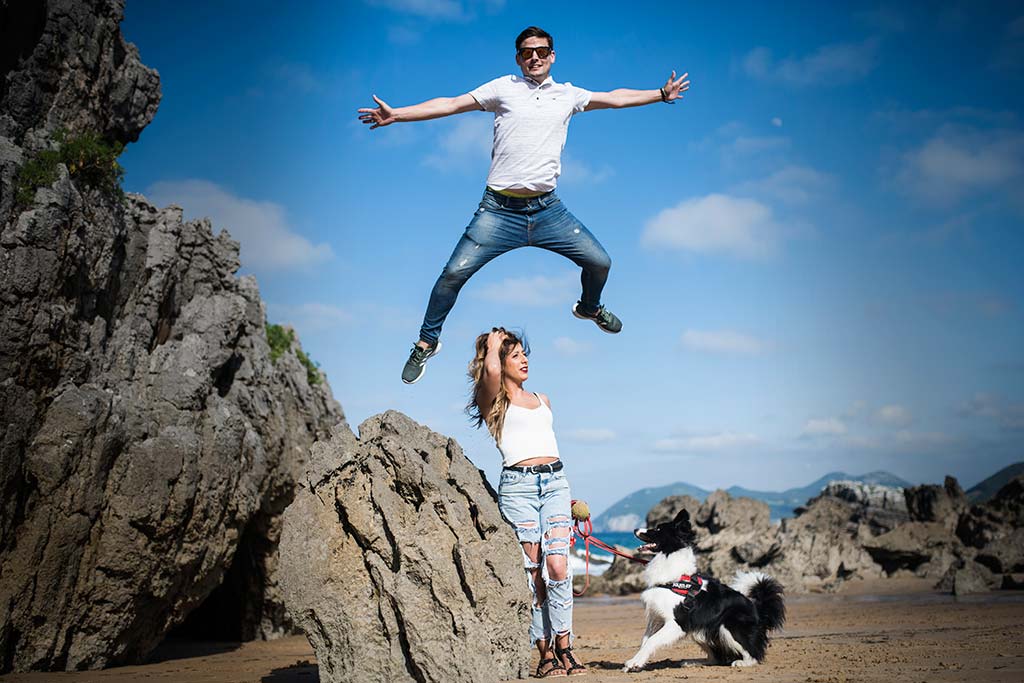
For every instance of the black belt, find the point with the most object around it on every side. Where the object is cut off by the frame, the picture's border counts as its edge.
(555, 466)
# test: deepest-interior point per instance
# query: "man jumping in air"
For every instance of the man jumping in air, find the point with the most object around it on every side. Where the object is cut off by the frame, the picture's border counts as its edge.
(519, 206)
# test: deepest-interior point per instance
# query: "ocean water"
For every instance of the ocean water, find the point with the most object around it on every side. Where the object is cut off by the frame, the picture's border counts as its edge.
(599, 559)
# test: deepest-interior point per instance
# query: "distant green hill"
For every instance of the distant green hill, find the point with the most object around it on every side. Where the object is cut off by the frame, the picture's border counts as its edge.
(984, 490)
(631, 511)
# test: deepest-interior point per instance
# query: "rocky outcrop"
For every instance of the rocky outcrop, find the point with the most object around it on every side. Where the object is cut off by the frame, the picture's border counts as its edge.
(821, 547)
(855, 530)
(996, 529)
(149, 442)
(669, 507)
(64, 64)
(931, 503)
(397, 564)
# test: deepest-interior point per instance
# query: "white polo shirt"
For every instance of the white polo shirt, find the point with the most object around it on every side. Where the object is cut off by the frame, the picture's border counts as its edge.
(530, 125)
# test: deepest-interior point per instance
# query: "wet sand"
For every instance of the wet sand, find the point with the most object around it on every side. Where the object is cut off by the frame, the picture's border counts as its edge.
(881, 631)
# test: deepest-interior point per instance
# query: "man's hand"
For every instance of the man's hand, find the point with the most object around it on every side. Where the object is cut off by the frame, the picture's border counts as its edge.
(383, 115)
(674, 88)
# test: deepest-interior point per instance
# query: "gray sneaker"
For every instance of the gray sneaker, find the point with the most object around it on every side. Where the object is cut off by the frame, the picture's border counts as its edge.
(604, 318)
(417, 363)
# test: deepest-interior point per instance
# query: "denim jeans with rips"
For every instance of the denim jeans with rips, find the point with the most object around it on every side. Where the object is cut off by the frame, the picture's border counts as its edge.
(503, 223)
(538, 507)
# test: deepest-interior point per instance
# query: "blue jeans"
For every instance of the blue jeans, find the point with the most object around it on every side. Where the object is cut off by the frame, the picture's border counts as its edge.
(502, 224)
(538, 507)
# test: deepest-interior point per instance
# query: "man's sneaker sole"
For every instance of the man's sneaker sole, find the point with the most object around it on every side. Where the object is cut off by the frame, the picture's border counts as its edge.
(591, 319)
(423, 368)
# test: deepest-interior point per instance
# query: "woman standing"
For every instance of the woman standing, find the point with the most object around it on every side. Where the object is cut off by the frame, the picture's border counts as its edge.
(533, 494)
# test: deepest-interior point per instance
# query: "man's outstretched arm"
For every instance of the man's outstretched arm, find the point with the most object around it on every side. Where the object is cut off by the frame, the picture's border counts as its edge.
(385, 115)
(624, 97)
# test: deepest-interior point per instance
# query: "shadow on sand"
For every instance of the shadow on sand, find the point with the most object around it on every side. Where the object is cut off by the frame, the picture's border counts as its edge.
(174, 648)
(299, 672)
(651, 666)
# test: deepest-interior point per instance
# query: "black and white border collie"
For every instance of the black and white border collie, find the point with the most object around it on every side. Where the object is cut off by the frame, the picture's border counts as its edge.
(730, 623)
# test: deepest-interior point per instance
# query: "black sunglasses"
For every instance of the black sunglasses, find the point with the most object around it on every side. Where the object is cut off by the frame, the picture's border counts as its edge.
(527, 52)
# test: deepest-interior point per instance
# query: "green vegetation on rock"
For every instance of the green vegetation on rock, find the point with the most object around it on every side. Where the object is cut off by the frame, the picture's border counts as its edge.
(281, 340)
(89, 159)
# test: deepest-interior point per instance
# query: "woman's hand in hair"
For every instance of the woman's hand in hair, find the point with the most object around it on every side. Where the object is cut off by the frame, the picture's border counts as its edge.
(495, 338)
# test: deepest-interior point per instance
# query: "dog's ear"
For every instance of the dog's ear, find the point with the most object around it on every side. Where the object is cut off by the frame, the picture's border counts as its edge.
(684, 528)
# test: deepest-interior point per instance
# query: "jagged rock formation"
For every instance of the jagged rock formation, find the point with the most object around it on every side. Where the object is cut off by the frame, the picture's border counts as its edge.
(854, 530)
(397, 564)
(149, 443)
(931, 503)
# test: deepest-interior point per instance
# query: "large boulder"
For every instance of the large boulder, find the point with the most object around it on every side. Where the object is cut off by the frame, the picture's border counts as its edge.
(932, 503)
(875, 507)
(736, 533)
(927, 549)
(149, 442)
(667, 508)
(996, 529)
(821, 547)
(398, 565)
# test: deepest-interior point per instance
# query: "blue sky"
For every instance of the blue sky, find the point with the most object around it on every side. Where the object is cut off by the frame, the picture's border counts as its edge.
(816, 254)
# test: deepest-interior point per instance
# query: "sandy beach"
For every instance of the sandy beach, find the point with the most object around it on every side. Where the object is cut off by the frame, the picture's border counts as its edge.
(896, 630)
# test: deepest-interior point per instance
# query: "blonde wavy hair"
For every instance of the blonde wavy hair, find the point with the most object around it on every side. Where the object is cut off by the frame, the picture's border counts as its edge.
(493, 415)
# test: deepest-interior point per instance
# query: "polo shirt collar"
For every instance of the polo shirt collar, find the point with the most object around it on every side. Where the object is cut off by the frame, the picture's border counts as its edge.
(548, 82)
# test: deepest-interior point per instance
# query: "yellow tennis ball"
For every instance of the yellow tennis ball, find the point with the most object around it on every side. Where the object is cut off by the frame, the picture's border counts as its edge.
(580, 511)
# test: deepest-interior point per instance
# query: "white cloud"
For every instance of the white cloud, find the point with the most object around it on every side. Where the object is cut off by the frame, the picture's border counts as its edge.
(467, 143)
(440, 10)
(791, 184)
(748, 145)
(777, 122)
(962, 160)
(828, 65)
(592, 435)
(826, 426)
(910, 439)
(309, 317)
(570, 347)
(577, 171)
(723, 441)
(267, 241)
(715, 223)
(533, 291)
(894, 415)
(856, 409)
(434, 9)
(1008, 415)
(722, 341)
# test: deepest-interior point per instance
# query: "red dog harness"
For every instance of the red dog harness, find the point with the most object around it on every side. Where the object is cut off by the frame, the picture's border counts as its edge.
(686, 586)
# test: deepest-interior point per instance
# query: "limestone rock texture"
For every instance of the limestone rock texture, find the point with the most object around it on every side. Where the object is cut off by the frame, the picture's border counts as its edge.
(149, 443)
(397, 564)
(853, 530)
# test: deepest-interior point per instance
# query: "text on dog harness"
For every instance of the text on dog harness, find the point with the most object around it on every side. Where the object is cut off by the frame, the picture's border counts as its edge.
(686, 586)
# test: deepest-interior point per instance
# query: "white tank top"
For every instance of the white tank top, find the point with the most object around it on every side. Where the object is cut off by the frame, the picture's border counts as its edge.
(527, 434)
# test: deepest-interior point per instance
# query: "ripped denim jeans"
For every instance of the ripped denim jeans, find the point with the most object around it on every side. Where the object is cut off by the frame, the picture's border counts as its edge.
(502, 224)
(538, 507)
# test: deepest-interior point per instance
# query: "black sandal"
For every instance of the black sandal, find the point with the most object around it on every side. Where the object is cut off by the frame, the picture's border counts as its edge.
(572, 667)
(556, 668)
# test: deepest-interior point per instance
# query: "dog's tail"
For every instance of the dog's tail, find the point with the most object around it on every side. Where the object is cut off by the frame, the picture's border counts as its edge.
(767, 595)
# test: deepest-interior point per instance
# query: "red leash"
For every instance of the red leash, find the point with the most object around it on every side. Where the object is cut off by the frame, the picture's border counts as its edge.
(586, 533)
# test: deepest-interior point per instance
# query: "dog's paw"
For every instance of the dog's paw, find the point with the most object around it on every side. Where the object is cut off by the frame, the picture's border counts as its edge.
(744, 662)
(632, 665)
